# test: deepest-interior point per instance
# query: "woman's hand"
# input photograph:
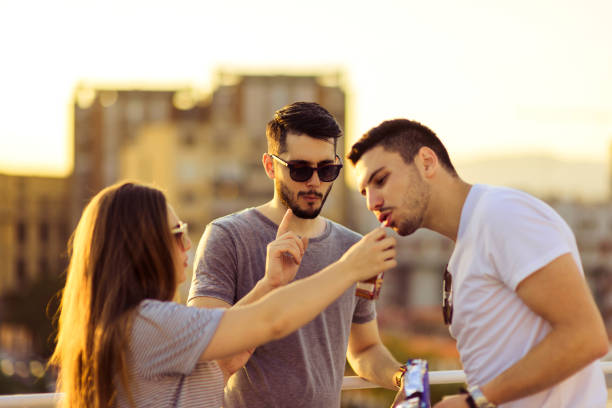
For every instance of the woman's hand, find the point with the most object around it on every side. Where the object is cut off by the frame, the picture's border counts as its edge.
(373, 254)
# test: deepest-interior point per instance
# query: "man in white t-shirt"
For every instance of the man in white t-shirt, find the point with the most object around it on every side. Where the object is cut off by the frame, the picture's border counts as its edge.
(527, 328)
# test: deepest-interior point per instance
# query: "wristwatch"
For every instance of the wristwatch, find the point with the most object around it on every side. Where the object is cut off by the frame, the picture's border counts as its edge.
(397, 377)
(479, 398)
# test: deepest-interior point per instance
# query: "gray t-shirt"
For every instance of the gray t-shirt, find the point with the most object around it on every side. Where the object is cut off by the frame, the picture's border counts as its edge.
(164, 370)
(304, 369)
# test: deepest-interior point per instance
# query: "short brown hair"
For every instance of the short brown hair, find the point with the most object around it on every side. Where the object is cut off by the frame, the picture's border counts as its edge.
(301, 118)
(403, 136)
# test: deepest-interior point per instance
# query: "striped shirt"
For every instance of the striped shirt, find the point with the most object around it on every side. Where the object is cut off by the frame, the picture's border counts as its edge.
(166, 342)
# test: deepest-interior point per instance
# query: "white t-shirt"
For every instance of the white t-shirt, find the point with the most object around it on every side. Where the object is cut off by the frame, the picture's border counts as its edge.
(504, 236)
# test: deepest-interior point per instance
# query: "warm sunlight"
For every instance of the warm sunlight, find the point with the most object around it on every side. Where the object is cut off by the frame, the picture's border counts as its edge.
(489, 78)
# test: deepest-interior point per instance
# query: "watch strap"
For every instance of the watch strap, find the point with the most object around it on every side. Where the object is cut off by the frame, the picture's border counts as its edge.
(479, 398)
(468, 398)
(399, 374)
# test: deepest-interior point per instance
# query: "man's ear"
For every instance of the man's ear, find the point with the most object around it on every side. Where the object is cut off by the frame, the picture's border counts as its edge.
(428, 161)
(268, 163)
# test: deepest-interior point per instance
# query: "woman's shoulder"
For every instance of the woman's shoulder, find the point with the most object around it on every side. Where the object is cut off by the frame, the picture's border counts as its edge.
(168, 337)
(172, 314)
(151, 306)
(157, 320)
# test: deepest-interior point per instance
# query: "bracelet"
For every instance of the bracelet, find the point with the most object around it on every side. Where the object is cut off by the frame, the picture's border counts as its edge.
(479, 398)
(468, 398)
(399, 374)
(470, 401)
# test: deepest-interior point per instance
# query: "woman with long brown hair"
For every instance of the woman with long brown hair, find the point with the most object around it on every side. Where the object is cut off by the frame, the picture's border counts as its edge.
(123, 342)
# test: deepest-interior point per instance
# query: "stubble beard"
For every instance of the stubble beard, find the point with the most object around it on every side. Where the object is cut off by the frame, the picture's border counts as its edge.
(409, 226)
(286, 197)
(417, 206)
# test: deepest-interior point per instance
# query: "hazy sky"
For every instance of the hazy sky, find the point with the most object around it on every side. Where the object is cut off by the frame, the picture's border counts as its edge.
(488, 76)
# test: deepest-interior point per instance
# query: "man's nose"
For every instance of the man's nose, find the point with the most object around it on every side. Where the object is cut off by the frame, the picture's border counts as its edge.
(374, 201)
(314, 181)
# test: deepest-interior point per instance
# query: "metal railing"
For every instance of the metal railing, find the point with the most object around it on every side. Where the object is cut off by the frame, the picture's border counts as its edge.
(51, 400)
(435, 377)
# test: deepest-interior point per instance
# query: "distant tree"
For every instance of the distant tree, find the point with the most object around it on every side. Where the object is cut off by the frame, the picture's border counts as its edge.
(33, 308)
(15, 385)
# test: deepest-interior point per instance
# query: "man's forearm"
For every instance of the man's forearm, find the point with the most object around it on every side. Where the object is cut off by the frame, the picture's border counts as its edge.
(558, 293)
(375, 364)
(559, 355)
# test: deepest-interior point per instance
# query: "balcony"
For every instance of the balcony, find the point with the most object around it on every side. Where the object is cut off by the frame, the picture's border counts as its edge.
(51, 400)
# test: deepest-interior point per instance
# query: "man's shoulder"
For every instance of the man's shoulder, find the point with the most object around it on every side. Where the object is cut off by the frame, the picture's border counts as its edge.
(491, 196)
(247, 226)
(343, 231)
(501, 200)
(504, 207)
(235, 217)
(247, 218)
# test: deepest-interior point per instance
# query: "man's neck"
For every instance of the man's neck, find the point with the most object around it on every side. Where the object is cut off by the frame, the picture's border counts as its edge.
(446, 205)
(275, 210)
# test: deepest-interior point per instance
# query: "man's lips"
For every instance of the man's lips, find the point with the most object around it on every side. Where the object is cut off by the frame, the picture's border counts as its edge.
(311, 196)
(385, 218)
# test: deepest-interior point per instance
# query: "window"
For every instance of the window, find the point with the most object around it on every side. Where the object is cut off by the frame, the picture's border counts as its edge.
(221, 140)
(43, 232)
(21, 274)
(63, 230)
(227, 189)
(43, 266)
(188, 138)
(188, 197)
(588, 224)
(21, 232)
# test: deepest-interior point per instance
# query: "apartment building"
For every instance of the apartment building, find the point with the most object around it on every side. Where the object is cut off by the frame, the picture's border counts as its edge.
(34, 228)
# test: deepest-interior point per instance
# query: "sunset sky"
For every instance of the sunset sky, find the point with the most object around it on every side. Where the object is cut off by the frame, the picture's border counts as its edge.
(490, 77)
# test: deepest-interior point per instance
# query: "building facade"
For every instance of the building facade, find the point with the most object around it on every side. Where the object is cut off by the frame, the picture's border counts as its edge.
(205, 154)
(105, 120)
(34, 229)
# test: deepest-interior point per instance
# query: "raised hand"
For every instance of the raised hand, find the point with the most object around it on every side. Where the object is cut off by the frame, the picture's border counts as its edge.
(284, 254)
(373, 254)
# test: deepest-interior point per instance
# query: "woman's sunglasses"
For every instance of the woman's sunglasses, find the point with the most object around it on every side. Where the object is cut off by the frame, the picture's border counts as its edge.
(180, 232)
(303, 172)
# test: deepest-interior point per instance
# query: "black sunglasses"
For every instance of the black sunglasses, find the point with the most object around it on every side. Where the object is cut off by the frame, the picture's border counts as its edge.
(303, 172)
(447, 297)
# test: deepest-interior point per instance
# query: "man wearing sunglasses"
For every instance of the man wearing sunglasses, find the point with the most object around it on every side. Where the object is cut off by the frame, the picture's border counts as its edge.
(306, 368)
(515, 297)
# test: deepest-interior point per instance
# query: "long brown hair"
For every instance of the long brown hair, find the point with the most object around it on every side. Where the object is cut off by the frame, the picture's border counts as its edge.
(120, 254)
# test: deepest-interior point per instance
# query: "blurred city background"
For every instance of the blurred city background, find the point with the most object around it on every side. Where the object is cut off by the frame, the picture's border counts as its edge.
(520, 93)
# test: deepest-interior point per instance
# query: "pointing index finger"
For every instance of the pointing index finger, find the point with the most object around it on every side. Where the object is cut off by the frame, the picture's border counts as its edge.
(284, 224)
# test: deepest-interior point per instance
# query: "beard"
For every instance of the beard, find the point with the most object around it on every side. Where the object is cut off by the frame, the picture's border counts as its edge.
(408, 226)
(288, 199)
(415, 202)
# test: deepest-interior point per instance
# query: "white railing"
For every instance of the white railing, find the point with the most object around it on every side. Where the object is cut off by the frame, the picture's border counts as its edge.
(435, 377)
(350, 383)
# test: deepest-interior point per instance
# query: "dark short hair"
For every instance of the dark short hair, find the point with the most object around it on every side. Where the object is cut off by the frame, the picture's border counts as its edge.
(403, 136)
(301, 118)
